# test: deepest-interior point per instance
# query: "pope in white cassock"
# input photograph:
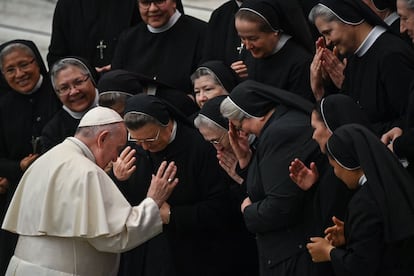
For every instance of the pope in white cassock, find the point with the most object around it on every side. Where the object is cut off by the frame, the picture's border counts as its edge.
(71, 218)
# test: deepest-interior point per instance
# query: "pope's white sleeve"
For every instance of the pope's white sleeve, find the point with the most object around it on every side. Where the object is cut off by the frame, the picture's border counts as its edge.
(143, 223)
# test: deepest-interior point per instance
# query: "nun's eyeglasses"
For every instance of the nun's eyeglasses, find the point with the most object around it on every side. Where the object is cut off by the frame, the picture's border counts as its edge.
(145, 4)
(22, 66)
(217, 141)
(66, 88)
(147, 140)
(238, 127)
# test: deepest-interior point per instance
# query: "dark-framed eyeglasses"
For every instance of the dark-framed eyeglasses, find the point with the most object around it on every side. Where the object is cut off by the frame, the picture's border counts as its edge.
(66, 88)
(147, 140)
(145, 4)
(217, 141)
(22, 66)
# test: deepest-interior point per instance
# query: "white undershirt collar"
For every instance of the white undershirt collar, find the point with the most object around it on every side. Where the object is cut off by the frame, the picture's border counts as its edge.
(369, 40)
(391, 18)
(282, 41)
(79, 115)
(37, 86)
(362, 180)
(173, 19)
(173, 132)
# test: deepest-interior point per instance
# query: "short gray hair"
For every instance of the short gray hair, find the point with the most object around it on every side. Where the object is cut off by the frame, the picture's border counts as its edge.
(202, 121)
(136, 120)
(66, 63)
(204, 71)
(13, 47)
(410, 4)
(324, 12)
(231, 111)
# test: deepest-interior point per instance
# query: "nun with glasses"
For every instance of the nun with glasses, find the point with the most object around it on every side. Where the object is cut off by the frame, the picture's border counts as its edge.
(276, 34)
(377, 237)
(90, 29)
(74, 82)
(275, 207)
(214, 128)
(194, 240)
(26, 105)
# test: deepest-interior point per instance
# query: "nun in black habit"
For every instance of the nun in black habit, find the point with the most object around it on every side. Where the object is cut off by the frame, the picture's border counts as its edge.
(275, 207)
(278, 37)
(329, 114)
(328, 193)
(213, 78)
(194, 242)
(74, 82)
(116, 87)
(167, 47)
(27, 105)
(214, 127)
(90, 29)
(377, 236)
(380, 65)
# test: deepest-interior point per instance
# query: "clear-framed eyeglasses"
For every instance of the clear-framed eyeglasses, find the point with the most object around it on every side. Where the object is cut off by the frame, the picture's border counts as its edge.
(217, 141)
(147, 140)
(22, 66)
(66, 88)
(146, 4)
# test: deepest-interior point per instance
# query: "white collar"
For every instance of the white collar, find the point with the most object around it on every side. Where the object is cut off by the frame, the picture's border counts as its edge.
(369, 40)
(362, 180)
(239, 3)
(282, 41)
(171, 22)
(391, 18)
(79, 115)
(173, 132)
(36, 87)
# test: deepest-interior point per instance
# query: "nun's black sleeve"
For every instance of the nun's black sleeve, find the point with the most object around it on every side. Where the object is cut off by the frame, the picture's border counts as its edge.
(379, 81)
(404, 145)
(364, 238)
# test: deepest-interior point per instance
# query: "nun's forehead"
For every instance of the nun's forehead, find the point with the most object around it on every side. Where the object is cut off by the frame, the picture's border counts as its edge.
(12, 48)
